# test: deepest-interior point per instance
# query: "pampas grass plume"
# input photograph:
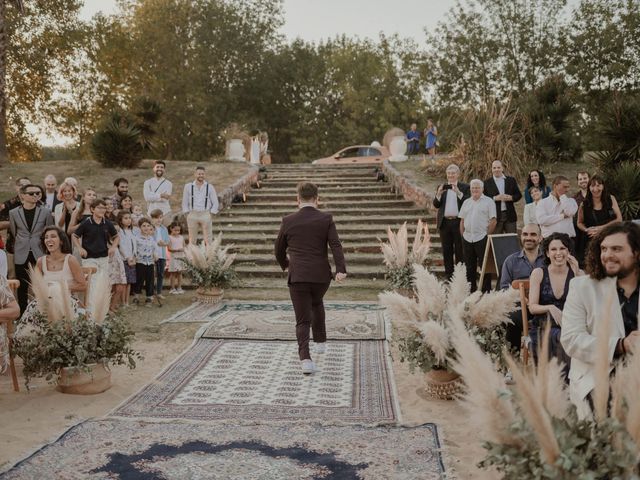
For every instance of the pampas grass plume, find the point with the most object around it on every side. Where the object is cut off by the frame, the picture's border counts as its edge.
(436, 337)
(487, 398)
(401, 309)
(431, 293)
(41, 292)
(535, 413)
(421, 243)
(459, 289)
(100, 297)
(493, 308)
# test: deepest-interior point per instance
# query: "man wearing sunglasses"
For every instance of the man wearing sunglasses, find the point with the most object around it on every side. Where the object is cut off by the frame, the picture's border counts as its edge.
(27, 223)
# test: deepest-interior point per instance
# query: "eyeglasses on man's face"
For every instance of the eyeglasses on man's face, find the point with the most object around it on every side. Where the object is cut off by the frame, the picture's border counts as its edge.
(33, 194)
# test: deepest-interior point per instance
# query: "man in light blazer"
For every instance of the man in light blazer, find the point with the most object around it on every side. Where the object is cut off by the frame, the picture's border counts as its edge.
(611, 288)
(505, 192)
(26, 224)
(301, 247)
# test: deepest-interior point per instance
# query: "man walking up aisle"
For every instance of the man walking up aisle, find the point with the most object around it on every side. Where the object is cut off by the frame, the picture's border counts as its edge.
(301, 247)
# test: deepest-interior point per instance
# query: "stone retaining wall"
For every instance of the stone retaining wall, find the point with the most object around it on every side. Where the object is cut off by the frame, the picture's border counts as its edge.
(243, 184)
(408, 189)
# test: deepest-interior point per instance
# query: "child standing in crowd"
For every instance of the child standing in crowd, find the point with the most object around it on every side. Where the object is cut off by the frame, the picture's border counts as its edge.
(127, 251)
(162, 240)
(176, 249)
(136, 214)
(125, 204)
(109, 215)
(145, 260)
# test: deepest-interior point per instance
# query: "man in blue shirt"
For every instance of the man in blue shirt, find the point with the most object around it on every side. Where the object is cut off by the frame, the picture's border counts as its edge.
(518, 266)
(413, 140)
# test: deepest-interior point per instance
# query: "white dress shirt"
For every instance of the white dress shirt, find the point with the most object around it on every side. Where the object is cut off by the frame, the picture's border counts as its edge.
(500, 184)
(49, 199)
(550, 214)
(152, 190)
(199, 198)
(530, 214)
(477, 214)
(451, 204)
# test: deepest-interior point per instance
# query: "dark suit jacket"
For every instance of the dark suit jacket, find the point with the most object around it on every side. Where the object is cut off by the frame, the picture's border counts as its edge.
(510, 188)
(304, 235)
(440, 204)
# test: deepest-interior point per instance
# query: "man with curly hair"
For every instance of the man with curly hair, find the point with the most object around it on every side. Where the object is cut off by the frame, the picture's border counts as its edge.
(610, 289)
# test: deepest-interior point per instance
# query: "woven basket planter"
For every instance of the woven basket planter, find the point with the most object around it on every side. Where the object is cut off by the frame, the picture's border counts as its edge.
(442, 384)
(209, 295)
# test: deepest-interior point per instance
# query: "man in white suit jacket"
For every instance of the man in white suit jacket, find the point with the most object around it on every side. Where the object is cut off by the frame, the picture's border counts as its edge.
(613, 265)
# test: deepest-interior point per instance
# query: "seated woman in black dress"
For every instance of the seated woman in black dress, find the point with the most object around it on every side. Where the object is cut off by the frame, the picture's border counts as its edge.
(598, 210)
(548, 290)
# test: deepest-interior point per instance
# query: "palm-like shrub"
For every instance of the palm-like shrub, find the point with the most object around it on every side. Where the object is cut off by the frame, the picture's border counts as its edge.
(117, 142)
(423, 322)
(397, 257)
(210, 266)
(534, 432)
(625, 182)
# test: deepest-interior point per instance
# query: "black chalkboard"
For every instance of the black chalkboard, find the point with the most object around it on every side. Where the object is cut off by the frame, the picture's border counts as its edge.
(498, 248)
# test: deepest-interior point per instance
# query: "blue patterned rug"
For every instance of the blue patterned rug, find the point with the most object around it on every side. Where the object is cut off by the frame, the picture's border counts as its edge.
(137, 450)
(261, 381)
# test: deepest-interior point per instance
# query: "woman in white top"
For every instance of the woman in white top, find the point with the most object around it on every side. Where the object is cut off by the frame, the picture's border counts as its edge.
(56, 265)
(530, 208)
(254, 153)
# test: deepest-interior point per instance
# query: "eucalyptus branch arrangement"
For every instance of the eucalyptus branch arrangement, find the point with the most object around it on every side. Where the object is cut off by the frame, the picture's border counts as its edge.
(534, 431)
(210, 266)
(423, 322)
(58, 334)
(397, 257)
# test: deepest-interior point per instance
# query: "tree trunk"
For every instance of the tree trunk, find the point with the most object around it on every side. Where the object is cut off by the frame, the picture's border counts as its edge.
(4, 153)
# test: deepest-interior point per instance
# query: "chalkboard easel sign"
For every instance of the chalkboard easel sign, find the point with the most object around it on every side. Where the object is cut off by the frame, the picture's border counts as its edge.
(498, 248)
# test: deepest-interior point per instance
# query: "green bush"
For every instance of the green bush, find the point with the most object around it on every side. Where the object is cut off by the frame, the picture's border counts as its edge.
(625, 182)
(117, 142)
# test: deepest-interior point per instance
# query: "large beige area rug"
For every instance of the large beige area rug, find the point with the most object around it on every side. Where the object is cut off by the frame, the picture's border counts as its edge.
(276, 320)
(140, 450)
(247, 381)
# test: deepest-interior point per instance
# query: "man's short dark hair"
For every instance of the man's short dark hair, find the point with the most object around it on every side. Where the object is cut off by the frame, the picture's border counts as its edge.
(118, 181)
(23, 188)
(200, 167)
(65, 244)
(159, 162)
(157, 213)
(593, 264)
(583, 173)
(307, 191)
(559, 179)
(97, 202)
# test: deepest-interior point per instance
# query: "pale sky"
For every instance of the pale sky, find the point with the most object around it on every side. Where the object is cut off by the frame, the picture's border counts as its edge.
(314, 20)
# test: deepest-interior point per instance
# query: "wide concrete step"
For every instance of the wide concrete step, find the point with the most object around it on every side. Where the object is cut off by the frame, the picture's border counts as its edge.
(321, 184)
(354, 271)
(269, 236)
(363, 228)
(253, 202)
(338, 219)
(379, 187)
(237, 213)
(357, 258)
(318, 168)
(259, 195)
(266, 248)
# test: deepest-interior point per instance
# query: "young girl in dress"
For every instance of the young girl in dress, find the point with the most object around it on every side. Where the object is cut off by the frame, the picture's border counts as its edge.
(127, 248)
(176, 250)
(136, 215)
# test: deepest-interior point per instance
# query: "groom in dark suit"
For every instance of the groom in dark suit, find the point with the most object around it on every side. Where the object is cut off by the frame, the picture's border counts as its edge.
(304, 236)
(505, 192)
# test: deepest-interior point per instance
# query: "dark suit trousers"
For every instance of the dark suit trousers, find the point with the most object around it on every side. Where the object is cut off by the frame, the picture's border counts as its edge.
(309, 309)
(451, 244)
(22, 274)
(473, 257)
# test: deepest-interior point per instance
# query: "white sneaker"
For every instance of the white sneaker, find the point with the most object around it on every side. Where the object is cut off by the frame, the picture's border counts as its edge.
(319, 347)
(308, 367)
(173, 291)
(179, 291)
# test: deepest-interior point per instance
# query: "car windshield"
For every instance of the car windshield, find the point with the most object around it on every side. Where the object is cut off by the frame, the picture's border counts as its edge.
(368, 152)
(349, 152)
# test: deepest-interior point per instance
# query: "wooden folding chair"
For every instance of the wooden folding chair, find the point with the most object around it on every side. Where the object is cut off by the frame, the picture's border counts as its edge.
(523, 287)
(88, 273)
(13, 285)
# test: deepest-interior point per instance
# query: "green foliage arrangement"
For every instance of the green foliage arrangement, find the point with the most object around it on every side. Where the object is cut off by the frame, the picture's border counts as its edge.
(423, 322)
(117, 143)
(210, 266)
(79, 342)
(625, 182)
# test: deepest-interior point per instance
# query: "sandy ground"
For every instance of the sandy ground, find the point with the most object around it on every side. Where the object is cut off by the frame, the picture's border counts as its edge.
(32, 419)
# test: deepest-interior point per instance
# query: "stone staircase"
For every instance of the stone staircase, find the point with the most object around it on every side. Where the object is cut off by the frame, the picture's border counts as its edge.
(362, 209)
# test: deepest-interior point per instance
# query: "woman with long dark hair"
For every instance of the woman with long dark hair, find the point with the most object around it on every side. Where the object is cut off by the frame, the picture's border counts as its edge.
(598, 210)
(536, 179)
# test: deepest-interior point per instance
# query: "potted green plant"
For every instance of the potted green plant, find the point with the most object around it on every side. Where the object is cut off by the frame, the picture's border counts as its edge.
(422, 323)
(72, 346)
(210, 268)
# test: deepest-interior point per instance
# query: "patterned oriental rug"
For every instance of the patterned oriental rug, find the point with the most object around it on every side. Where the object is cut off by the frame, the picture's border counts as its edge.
(276, 321)
(259, 381)
(137, 450)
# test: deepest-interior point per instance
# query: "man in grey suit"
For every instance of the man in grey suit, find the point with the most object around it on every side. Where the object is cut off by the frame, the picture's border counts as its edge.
(26, 224)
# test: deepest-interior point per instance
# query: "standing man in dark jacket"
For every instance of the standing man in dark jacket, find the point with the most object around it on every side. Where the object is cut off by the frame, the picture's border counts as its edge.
(301, 247)
(448, 200)
(505, 192)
